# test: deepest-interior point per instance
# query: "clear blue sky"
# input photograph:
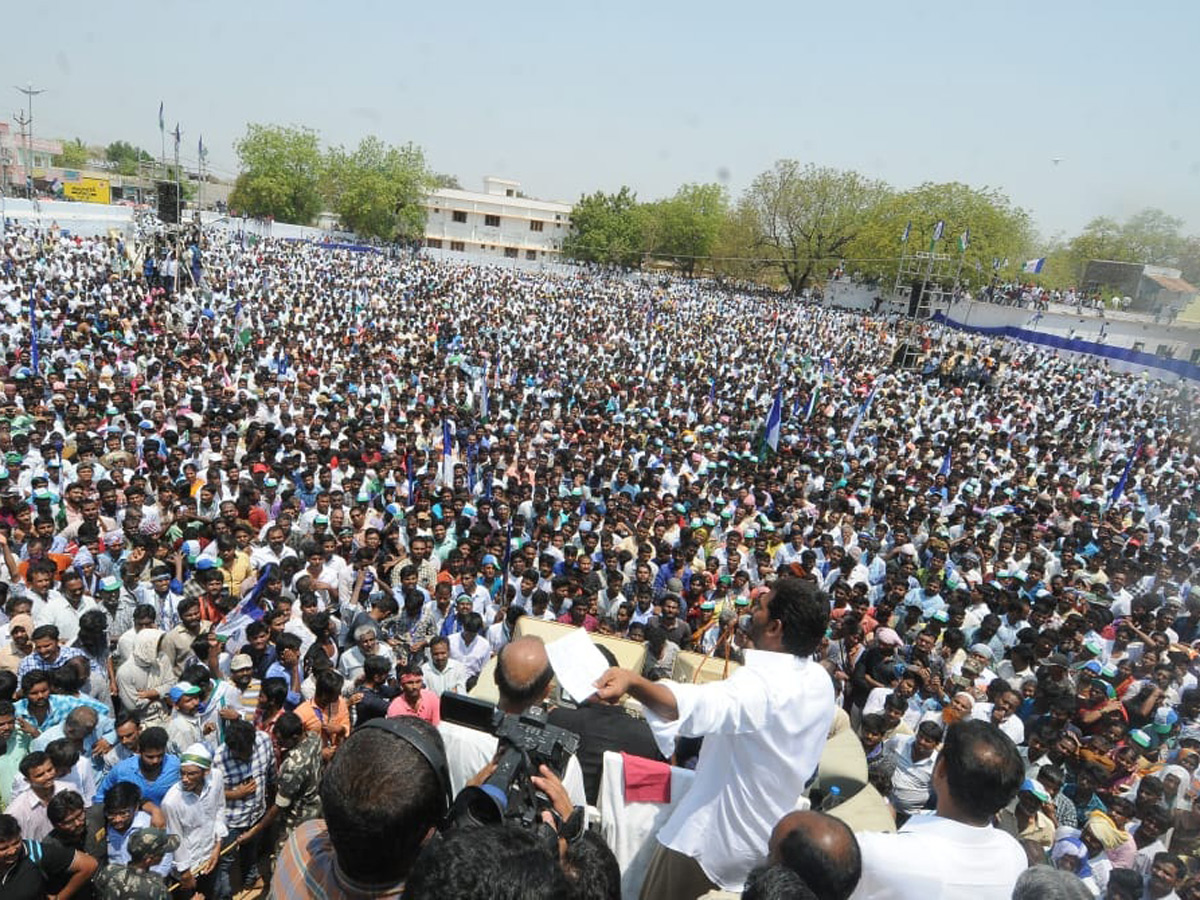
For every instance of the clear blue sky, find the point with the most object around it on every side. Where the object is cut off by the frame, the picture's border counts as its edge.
(570, 97)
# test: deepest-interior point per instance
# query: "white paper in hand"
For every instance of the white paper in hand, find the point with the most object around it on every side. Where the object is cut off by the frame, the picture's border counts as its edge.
(577, 664)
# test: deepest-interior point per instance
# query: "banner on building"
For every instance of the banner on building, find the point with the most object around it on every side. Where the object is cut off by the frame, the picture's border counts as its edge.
(89, 190)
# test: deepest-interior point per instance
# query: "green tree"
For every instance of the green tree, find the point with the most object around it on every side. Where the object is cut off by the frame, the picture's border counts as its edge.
(1151, 236)
(805, 217)
(607, 228)
(998, 230)
(126, 157)
(684, 228)
(75, 155)
(377, 190)
(443, 180)
(282, 170)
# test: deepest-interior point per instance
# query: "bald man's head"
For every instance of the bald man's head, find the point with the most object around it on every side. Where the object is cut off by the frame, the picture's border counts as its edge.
(820, 849)
(523, 674)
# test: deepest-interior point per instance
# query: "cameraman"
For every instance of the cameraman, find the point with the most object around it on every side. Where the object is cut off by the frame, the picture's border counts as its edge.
(523, 677)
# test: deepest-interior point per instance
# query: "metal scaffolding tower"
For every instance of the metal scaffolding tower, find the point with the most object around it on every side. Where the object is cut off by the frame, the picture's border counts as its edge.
(925, 281)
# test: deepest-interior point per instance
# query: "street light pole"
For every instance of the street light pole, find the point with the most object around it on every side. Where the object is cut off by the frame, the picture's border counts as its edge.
(30, 92)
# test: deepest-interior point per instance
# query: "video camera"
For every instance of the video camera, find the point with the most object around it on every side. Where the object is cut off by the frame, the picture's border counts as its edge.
(525, 743)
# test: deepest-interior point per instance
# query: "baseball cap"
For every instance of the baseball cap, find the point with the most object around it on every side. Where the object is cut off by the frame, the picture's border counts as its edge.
(1030, 786)
(241, 661)
(183, 689)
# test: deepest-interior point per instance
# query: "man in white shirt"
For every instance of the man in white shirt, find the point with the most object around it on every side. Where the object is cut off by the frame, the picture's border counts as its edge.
(956, 852)
(195, 810)
(468, 647)
(1002, 714)
(914, 756)
(443, 674)
(764, 729)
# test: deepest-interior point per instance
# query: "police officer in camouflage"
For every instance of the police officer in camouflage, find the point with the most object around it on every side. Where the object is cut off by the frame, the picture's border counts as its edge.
(135, 881)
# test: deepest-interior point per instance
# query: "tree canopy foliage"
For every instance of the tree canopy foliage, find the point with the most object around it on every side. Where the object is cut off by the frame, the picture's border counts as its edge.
(75, 155)
(997, 229)
(282, 174)
(377, 189)
(607, 229)
(126, 157)
(805, 217)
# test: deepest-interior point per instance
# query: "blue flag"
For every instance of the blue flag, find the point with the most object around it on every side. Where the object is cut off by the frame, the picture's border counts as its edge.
(774, 421)
(862, 411)
(945, 468)
(483, 396)
(1120, 488)
(34, 357)
(907, 232)
(408, 471)
(447, 449)
(507, 546)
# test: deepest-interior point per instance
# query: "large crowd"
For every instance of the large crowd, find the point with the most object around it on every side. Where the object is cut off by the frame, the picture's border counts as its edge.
(253, 504)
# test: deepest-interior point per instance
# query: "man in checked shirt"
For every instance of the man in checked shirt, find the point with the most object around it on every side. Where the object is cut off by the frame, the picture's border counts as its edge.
(247, 760)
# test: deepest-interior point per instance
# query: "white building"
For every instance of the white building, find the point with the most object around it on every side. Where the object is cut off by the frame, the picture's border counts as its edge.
(496, 222)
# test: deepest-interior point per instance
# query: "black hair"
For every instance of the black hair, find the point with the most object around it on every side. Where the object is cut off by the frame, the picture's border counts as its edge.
(381, 797)
(776, 883)
(592, 869)
(275, 690)
(62, 805)
(982, 767)
(32, 760)
(288, 641)
(329, 682)
(288, 725)
(495, 863)
(122, 795)
(44, 631)
(376, 665)
(874, 723)
(930, 729)
(239, 736)
(802, 610)
(10, 828)
(153, 738)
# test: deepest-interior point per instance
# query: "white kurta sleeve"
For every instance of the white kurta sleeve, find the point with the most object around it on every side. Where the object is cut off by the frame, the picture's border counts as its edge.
(734, 706)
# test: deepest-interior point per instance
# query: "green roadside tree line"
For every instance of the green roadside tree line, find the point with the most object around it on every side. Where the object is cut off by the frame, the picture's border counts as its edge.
(797, 222)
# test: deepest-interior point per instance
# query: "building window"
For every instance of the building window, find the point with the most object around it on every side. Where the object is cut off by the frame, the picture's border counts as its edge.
(458, 246)
(460, 215)
(531, 254)
(557, 217)
(535, 226)
(510, 252)
(491, 221)
(435, 243)
(509, 193)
